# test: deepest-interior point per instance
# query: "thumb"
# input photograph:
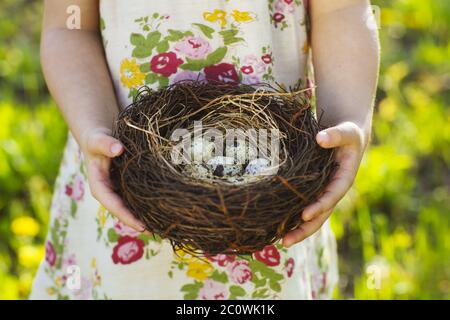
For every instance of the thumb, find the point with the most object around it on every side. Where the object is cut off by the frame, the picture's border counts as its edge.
(345, 133)
(105, 144)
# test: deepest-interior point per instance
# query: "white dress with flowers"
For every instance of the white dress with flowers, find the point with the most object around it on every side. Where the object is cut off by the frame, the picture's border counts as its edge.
(91, 255)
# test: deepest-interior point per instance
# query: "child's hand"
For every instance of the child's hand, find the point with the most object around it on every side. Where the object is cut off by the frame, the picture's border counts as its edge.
(99, 147)
(349, 140)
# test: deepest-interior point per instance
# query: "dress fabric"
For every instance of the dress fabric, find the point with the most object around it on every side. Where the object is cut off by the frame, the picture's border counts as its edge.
(90, 254)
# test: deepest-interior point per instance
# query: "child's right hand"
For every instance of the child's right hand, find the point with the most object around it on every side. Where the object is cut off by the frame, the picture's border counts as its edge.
(99, 147)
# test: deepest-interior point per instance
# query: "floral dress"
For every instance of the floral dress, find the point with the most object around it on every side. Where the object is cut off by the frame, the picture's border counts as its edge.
(89, 253)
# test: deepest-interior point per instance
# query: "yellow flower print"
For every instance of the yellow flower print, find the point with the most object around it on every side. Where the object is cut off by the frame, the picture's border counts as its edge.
(58, 282)
(94, 263)
(242, 16)
(216, 15)
(130, 75)
(199, 270)
(183, 255)
(101, 215)
(51, 291)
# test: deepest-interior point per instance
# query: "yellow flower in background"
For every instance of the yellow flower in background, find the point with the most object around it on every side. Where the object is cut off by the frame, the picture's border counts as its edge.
(130, 74)
(199, 270)
(216, 15)
(25, 226)
(25, 282)
(30, 256)
(101, 215)
(242, 16)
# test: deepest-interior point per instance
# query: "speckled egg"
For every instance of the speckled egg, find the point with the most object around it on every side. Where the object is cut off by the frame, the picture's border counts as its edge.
(258, 166)
(199, 171)
(224, 166)
(202, 150)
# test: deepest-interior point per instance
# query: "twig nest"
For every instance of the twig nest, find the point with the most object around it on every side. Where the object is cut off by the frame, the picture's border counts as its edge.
(212, 195)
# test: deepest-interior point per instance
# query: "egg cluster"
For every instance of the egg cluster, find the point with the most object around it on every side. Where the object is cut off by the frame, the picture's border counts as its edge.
(239, 164)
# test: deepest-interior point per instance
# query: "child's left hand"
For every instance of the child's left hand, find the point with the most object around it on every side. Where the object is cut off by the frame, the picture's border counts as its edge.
(349, 141)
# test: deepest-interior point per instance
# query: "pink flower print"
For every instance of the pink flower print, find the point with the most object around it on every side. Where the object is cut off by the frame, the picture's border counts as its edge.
(251, 79)
(85, 291)
(78, 188)
(247, 69)
(267, 58)
(193, 47)
(50, 254)
(255, 63)
(269, 255)
(290, 5)
(69, 260)
(240, 272)
(128, 250)
(278, 17)
(222, 72)
(279, 5)
(213, 290)
(189, 75)
(165, 64)
(222, 259)
(251, 59)
(68, 190)
(124, 230)
(290, 263)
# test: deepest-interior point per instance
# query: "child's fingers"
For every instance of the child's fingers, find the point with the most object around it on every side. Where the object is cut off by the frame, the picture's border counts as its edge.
(346, 133)
(338, 187)
(331, 196)
(101, 190)
(305, 230)
(102, 143)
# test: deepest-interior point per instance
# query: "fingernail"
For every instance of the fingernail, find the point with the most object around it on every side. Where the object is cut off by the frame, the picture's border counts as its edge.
(116, 148)
(322, 136)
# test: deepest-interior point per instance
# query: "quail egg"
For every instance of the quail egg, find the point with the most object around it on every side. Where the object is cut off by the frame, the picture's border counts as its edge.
(224, 167)
(202, 150)
(258, 167)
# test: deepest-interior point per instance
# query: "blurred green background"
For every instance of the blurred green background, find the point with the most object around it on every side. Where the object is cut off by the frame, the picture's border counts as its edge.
(392, 228)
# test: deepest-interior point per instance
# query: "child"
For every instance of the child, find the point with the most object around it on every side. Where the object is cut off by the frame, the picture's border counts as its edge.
(96, 249)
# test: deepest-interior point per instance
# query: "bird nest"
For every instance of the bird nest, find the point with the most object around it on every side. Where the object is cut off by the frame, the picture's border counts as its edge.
(208, 194)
